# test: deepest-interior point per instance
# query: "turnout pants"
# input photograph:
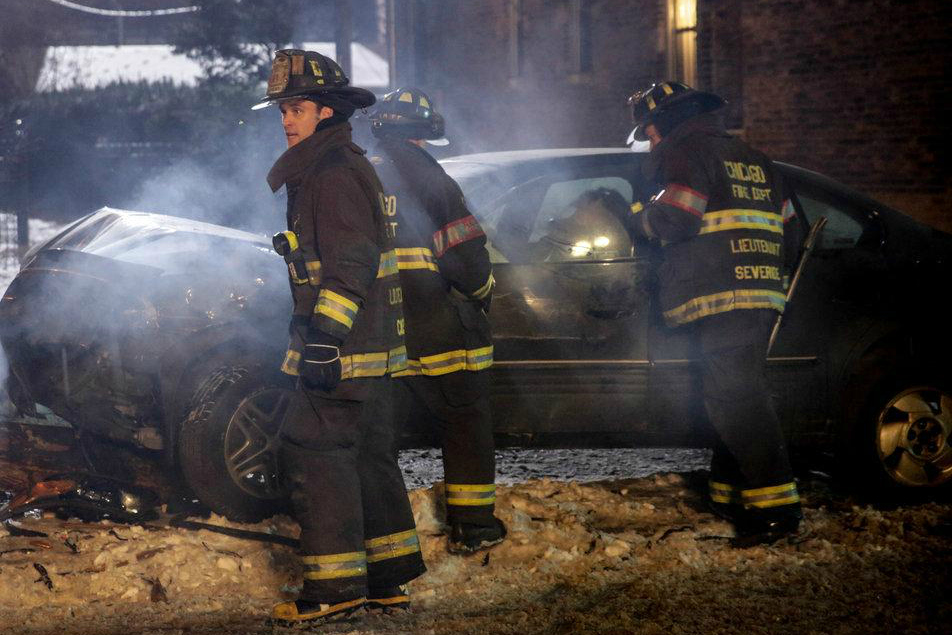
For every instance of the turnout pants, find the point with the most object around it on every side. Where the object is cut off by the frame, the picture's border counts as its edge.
(455, 404)
(750, 469)
(347, 491)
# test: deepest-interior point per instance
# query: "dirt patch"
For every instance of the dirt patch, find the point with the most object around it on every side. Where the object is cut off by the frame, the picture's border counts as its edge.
(623, 556)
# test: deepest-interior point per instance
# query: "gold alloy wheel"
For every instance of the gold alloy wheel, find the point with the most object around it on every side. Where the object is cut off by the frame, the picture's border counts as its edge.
(914, 437)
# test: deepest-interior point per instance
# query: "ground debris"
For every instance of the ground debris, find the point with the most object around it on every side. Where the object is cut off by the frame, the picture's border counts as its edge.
(621, 556)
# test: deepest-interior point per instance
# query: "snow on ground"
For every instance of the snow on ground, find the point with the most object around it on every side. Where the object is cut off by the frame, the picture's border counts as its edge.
(618, 556)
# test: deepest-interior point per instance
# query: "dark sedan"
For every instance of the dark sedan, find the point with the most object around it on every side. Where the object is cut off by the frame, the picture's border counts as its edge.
(165, 333)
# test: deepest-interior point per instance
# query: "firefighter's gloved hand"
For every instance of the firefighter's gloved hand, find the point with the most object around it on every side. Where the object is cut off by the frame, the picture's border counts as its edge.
(320, 364)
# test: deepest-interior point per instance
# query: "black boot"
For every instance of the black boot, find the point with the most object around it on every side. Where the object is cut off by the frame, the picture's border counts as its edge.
(468, 538)
(767, 529)
(389, 598)
(298, 611)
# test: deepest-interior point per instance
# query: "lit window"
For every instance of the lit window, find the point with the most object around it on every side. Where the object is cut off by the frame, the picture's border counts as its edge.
(682, 49)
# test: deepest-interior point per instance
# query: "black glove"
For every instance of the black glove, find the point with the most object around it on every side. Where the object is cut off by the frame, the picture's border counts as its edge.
(320, 363)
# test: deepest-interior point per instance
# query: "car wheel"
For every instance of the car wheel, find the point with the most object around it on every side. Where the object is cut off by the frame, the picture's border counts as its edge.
(228, 443)
(904, 440)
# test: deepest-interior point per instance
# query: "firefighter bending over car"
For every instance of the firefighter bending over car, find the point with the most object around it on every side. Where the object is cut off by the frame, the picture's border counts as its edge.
(447, 286)
(727, 229)
(358, 540)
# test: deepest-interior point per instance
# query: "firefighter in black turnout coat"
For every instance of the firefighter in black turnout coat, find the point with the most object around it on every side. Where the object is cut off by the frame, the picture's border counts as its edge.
(727, 230)
(447, 285)
(358, 540)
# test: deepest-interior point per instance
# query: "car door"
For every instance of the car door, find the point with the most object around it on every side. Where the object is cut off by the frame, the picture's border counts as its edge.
(825, 317)
(569, 311)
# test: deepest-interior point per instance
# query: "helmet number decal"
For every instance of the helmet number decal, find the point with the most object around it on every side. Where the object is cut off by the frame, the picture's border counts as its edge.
(280, 73)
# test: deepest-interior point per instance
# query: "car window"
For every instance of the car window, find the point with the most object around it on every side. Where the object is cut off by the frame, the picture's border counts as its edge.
(846, 227)
(551, 219)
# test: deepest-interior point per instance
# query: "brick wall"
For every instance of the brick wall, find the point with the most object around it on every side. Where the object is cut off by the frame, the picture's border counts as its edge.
(855, 89)
(547, 103)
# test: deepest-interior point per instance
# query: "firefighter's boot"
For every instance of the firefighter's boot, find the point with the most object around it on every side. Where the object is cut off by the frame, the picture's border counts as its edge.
(301, 611)
(468, 538)
(389, 599)
(766, 530)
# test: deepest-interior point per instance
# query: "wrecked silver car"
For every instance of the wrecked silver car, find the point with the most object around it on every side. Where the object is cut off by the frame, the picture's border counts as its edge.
(166, 333)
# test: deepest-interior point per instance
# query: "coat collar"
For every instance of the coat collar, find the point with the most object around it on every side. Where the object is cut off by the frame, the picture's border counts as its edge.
(291, 166)
(707, 124)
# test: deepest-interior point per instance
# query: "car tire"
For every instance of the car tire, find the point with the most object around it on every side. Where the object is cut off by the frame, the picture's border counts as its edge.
(899, 446)
(228, 443)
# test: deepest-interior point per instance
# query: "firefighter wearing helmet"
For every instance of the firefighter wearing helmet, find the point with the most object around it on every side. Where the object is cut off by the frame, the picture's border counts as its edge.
(447, 286)
(728, 230)
(358, 540)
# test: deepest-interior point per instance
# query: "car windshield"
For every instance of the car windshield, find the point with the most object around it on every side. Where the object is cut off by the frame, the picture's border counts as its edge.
(542, 211)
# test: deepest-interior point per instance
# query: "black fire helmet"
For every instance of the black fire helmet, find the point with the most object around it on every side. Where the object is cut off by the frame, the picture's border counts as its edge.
(408, 113)
(299, 74)
(667, 100)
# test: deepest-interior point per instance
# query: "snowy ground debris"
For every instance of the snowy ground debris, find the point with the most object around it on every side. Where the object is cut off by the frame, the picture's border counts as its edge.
(620, 556)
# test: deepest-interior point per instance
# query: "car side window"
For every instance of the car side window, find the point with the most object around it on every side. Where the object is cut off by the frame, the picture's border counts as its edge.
(845, 228)
(567, 221)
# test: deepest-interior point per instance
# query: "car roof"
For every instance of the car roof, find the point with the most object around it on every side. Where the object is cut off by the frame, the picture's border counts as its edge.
(509, 157)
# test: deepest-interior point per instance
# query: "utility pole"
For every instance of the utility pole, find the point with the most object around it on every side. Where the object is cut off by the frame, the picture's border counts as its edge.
(344, 34)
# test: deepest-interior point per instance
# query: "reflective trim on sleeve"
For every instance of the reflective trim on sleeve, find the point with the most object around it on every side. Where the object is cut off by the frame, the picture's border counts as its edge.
(388, 264)
(416, 258)
(787, 211)
(470, 495)
(727, 219)
(336, 565)
(336, 307)
(684, 198)
(486, 289)
(774, 496)
(392, 546)
(452, 234)
(696, 308)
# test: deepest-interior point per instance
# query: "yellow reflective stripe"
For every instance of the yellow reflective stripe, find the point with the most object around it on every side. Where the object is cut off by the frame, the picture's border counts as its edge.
(636, 207)
(392, 546)
(336, 307)
(291, 363)
(313, 271)
(334, 558)
(374, 364)
(484, 290)
(389, 539)
(667, 89)
(470, 495)
(723, 493)
(726, 301)
(416, 258)
(725, 220)
(449, 362)
(336, 565)
(292, 239)
(388, 264)
(339, 299)
(773, 496)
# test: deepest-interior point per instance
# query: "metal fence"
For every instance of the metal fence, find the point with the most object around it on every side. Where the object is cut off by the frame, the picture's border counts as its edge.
(9, 244)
